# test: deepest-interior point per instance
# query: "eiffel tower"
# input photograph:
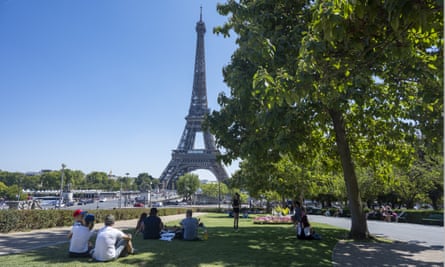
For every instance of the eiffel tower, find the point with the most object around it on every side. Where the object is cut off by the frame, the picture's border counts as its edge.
(186, 158)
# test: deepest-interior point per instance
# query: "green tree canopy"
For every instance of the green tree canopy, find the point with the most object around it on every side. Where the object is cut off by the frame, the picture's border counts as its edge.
(187, 185)
(214, 189)
(349, 81)
(143, 181)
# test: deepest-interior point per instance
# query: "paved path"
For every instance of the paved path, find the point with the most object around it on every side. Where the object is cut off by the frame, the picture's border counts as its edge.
(427, 235)
(415, 245)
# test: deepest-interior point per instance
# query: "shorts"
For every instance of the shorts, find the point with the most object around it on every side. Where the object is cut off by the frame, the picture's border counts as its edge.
(79, 255)
(121, 250)
(236, 210)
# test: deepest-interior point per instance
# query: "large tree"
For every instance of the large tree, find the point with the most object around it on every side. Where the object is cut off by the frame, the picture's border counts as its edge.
(348, 81)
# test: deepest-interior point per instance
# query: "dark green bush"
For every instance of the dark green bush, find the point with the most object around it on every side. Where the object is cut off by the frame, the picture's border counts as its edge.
(26, 220)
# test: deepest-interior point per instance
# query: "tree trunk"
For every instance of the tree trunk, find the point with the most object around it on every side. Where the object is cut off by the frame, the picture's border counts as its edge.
(359, 227)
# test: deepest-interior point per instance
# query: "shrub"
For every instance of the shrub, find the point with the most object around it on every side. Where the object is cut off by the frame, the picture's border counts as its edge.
(26, 220)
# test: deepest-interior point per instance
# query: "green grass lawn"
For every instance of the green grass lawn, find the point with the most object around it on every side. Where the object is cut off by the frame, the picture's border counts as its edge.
(252, 245)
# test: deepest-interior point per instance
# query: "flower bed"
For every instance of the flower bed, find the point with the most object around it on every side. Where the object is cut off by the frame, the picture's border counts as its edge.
(273, 220)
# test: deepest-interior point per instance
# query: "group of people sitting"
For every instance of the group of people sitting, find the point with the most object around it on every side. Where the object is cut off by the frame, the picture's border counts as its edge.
(111, 243)
(152, 227)
(302, 225)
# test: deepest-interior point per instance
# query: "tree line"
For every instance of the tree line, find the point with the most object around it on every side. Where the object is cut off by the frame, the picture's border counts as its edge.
(13, 182)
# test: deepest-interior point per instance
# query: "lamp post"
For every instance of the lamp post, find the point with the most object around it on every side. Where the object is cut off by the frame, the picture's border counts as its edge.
(149, 196)
(126, 182)
(219, 194)
(61, 185)
(19, 188)
(120, 195)
(98, 198)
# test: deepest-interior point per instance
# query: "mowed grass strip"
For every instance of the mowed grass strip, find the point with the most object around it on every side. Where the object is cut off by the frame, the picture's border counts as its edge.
(251, 245)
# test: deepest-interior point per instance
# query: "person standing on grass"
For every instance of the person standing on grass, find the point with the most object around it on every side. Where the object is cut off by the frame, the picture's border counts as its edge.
(297, 213)
(111, 243)
(236, 203)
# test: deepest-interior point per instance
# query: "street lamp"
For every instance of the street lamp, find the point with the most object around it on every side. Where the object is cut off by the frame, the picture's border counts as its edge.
(120, 196)
(219, 194)
(98, 198)
(61, 185)
(149, 196)
(126, 181)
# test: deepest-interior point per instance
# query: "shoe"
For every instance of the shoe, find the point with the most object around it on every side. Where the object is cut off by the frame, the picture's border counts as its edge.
(133, 251)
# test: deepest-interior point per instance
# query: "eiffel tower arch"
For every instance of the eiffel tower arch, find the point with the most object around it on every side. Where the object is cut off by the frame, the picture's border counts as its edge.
(186, 158)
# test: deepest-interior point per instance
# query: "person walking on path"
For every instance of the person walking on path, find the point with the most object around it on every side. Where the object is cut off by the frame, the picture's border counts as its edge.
(236, 207)
(111, 243)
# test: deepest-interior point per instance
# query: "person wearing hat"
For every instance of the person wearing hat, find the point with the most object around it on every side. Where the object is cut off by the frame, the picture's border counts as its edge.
(111, 243)
(152, 225)
(80, 245)
(78, 216)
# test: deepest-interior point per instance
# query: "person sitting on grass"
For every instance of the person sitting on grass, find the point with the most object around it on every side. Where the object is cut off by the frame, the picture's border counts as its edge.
(111, 243)
(304, 229)
(140, 225)
(190, 227)
(152, 225)
(80, 245)
(78, 216)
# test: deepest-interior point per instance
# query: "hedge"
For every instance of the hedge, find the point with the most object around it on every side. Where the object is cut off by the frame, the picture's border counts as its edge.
(27, 220)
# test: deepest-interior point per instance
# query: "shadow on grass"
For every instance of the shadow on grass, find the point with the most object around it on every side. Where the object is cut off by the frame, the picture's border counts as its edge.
(252, 245)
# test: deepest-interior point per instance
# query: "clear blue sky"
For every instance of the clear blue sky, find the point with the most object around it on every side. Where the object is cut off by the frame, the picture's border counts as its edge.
(101, 85)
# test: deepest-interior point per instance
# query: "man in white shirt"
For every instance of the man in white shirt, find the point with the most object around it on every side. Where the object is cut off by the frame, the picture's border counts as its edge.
(111, 243)
(80, 235)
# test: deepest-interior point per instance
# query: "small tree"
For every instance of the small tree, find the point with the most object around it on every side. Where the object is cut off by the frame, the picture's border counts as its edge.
(214, 189)
(187, 185)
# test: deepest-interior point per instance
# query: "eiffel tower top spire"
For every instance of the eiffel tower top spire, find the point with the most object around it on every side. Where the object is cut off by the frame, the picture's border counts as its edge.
(198, 105)
(200, 14)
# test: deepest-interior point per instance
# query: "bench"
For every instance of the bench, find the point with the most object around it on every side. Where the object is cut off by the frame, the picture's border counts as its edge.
(434, 219)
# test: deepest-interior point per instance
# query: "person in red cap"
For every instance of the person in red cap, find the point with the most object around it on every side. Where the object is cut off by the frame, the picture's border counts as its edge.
(78, 216)
(80, 235)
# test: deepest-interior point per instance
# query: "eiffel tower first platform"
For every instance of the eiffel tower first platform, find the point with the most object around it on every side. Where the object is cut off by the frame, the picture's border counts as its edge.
(186, 158)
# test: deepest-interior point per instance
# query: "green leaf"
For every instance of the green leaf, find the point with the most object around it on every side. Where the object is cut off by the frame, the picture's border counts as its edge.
(431, 66)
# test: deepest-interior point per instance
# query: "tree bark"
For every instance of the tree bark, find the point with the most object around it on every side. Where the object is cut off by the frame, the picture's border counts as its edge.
(359, 226)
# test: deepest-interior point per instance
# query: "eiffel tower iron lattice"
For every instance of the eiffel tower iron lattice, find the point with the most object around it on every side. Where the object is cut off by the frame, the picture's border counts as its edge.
(186, 158)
